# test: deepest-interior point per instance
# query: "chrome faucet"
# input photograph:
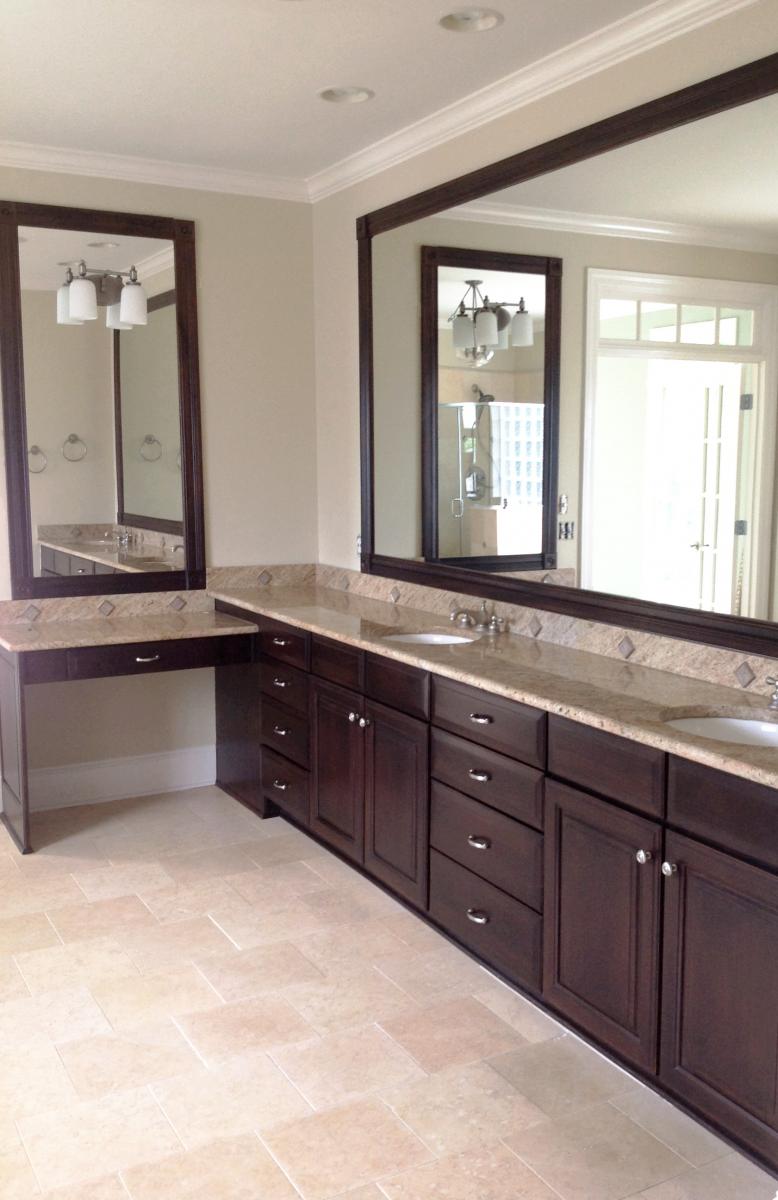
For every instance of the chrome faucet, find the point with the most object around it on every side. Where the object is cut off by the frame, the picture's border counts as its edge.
(482, 622)
(460, 616)
(773, 705)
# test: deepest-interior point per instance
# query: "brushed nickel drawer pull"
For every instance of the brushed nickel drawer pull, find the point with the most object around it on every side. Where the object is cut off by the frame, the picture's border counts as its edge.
(282, 683)
(479, 843)
(151, 658)
(481, 719)
(477, 917)
(279, 785)
(479, 776)
(279, 641)
(281, 731)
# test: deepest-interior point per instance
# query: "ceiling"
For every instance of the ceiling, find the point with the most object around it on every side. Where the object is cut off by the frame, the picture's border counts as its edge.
(45, 253)
(503, 286)
(233, 85)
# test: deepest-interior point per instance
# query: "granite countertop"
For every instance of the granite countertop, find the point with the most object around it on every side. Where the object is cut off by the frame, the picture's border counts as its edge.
(108, 555)
(628, 700)
(114, 631)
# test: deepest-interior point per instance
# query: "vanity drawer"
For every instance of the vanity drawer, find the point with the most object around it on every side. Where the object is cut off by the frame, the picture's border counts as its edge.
(142, 658)
(61, 563)
(284, 642)
(736, 814)
(511, 787)
(398, 685)
(491, 845)
(286, 684)
(285, 731)
(611, 766)
(339, 663)
(286, 785)
(504, 725)
(81, 566)
(500, 930)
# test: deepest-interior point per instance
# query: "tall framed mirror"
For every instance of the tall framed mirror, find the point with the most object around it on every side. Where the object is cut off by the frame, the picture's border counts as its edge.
(100, 389)
(663, 514)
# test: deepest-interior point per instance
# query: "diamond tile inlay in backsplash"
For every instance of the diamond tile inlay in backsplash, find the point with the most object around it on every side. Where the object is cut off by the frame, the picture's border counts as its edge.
(626, 647)
(744, 675)
(106, 608)
(177, 603)
(31, 613)
(535, 627)
(265, 578)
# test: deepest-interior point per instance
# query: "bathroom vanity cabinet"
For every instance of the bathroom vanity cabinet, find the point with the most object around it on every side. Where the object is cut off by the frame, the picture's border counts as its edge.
(633, 893)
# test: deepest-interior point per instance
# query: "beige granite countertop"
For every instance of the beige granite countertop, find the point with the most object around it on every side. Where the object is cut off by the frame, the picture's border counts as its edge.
(110, 556)
(114, 631)
(628, 700)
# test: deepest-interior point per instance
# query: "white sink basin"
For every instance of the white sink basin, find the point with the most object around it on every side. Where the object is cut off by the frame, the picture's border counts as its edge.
(427, 639)
(730, 729)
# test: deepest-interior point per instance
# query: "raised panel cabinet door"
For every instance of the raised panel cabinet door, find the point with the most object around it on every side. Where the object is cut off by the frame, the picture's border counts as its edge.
(601, 930)
(720, 991)
(397, 801)
(338, 762)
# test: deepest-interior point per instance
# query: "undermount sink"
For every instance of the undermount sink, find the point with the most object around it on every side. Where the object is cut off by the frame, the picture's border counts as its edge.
(427, 639)
(743, 731)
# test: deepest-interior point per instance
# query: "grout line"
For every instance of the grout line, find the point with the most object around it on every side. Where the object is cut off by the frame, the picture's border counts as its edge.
(277, 1162)
(54, 927)
(205, 978)
(158, 1103)
(529, 1167)
(23, 1145)
(123, 1182)
(189, 1043)
(212, 919)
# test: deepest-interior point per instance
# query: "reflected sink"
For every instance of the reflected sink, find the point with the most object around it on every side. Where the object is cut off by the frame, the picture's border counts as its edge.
(741, 730)
(427, 639)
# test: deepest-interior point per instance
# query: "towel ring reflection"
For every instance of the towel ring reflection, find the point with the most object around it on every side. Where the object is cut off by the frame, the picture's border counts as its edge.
(73, 448)
(151, 448)
(36, 453)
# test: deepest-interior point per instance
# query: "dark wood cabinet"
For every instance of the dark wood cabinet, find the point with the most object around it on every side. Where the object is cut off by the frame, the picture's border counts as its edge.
(720, 991)
(397, 800)
(338, 768)
(601, 936)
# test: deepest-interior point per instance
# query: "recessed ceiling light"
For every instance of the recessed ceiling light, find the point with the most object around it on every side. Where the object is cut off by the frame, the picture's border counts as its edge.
(472, 20)
(103, 245)
(346, 95)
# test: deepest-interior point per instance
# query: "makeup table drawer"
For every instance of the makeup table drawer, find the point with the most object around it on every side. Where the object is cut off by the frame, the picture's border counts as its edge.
(500, 850)
(143, 658)
(284, 683)
(285, 731)
(498, 781)
(286, 785)
(499, 724)
(500, 930)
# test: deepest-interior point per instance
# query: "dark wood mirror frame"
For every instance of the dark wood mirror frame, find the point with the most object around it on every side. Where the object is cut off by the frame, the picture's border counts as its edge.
(433, 257)
(137, 520)
(739, 86)
(24, 583)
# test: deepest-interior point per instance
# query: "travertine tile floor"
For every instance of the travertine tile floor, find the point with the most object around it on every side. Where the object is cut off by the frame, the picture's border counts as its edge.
(194, 1003)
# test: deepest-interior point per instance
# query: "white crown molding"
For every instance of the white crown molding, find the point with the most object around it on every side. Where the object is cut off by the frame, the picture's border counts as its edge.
(62, 160)
(155, 264)
(635, 34)
(560, 220)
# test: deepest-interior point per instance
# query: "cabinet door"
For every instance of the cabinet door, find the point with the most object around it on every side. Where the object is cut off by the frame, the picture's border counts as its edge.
(397, 801)
(601, 929)
(338, 800)
(720, 991)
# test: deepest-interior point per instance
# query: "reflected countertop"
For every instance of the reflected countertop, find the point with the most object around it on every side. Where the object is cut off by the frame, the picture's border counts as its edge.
(627, 700)
(108, 555)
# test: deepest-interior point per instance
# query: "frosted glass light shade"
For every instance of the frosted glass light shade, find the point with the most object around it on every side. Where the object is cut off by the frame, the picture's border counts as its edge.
(83, 300)
(486, 327)
(113, 318)
(63, 307)
(522, 333)
(133, 308)
(462, 328)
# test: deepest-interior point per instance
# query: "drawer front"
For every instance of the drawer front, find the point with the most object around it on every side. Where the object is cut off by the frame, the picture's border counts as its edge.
(341, 664)
(143, 658)
(286, 731)
(280, 682)
(81, 566)
(500, 930)
(612, 766)
(47, 560)
(504, 725)
(493, 846)
(286, 785)
(61, 563)
(735, 813)
(283, 642)
(398, 685)
(511, 787)
(104, 569)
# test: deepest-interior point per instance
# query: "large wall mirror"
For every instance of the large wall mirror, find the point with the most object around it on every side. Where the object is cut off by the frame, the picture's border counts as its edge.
(656, 494)
(100, 401)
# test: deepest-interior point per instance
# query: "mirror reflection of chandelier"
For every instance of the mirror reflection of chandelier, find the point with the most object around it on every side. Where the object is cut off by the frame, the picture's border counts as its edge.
(480, 326)
(117, 291)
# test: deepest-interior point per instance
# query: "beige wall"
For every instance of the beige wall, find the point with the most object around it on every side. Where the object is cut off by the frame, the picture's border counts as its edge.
(740, 38)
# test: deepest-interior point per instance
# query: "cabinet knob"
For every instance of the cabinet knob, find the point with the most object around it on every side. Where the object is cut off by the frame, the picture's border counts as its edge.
(364, 722)
(644, 856)
(279, 785)
(279, 641)
(281, 683)
(477, 917)
(479, 776)
(353, 717)
(479, 843)
(281, 731)
(669, 869)
(481, 719)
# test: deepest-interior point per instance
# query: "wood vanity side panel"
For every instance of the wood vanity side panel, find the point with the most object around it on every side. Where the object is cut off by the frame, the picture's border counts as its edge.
(13, 744)
(731, 812)
(238, 752)
(612, 766)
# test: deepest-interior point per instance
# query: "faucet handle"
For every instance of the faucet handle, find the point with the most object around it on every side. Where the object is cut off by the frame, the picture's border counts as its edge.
(771, 681)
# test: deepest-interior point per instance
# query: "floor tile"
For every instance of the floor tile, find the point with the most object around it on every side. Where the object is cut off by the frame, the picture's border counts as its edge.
(279, 920)
(17, 1181)
(244, 1026)
(108, 882)
(361, 944)
(234, 1169)
(413, 932)
(31, 896)
(87, 963)
(12, 985)
(96, 1137)
(99, 918)
(452, 1032)
(341, 906)
(346, 1066)
(562, 1075)
(730, 1178)
(491, 1173)
(32, 931)
(32, 1079)
(434, 974)
(272, 851)
(61, 1015)
(204, 864)
(137, 1001)
(160, 947)
(330, 1152)
(687, 1137)
(596, 1154)
(182, 902)
(462, 1108)
(285, 879)
(525, 1017)
(257, 971)
(110, 1187)
(119, 1062)
(242, 1094)
(351, 997)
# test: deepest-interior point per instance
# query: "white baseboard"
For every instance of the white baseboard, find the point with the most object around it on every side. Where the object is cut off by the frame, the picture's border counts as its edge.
(119, 778)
